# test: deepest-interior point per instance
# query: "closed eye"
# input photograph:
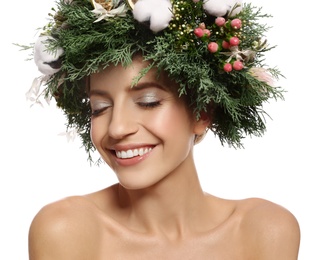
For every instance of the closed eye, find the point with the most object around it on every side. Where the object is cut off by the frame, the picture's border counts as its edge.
(149, 104)
(149, 99)
(97, 107)
(96, 112)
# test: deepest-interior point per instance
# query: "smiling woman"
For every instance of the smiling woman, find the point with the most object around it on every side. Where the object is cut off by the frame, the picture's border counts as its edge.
(150, 117)
(140, 89)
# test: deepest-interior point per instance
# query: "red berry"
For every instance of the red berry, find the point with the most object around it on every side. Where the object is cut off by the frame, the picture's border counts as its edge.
(198, 32)
(227, 67)
(206, 32)
(234, 41)
(213, 47)
(225, 45)
(236, 23)
(238, 65)
(220, 21)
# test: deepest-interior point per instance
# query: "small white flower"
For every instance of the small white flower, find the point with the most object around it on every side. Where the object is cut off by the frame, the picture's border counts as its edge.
(101, 13)
(157, 12)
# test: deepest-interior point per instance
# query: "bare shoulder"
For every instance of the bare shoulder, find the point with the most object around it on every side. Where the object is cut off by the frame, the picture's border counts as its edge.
(66, 229)
(270, 228)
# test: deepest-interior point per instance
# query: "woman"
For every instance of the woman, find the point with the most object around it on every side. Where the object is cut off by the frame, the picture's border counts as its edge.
(151, 94)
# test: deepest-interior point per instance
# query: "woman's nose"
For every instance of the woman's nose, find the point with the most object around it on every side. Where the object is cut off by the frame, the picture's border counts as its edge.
(122, 122)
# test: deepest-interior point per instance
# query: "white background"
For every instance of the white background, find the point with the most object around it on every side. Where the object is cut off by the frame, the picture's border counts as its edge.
(39, 166)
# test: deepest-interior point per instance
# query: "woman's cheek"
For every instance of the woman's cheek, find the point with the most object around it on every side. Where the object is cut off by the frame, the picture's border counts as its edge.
(167, 119)
(97, 130)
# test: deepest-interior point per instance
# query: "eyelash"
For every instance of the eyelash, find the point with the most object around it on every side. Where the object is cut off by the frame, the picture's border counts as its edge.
(149, 104)
(97, 112)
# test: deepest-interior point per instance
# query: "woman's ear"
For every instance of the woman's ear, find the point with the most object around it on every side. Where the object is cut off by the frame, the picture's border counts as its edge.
(201, 124)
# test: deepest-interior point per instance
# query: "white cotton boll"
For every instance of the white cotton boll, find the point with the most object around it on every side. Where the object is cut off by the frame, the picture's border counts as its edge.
(221, 7)
(160, 20)
(142, 11)
(42, 57)
(157, 12)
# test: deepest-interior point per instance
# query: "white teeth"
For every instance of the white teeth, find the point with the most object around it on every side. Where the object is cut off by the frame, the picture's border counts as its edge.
(132, 153)
(124, 154)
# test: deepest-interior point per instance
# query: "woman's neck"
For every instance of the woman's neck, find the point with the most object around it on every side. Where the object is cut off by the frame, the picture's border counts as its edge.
(174, 206)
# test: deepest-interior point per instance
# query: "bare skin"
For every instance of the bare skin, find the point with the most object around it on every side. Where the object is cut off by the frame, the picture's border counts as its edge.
(157, 210)
(94, 227)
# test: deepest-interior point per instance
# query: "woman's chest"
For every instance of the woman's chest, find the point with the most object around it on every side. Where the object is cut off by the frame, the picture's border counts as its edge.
(206, 247)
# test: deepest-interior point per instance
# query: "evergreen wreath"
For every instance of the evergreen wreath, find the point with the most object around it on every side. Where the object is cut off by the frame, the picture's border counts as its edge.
(216, 56)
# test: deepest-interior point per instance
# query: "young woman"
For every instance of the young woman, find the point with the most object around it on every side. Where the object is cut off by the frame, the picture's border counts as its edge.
(151, 96)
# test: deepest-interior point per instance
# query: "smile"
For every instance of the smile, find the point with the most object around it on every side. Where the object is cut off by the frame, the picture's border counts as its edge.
(132, 153)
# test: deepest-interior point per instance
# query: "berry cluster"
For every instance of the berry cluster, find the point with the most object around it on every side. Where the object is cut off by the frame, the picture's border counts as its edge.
(226, 37)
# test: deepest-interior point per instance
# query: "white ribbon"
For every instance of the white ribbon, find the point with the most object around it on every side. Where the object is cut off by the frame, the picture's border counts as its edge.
(243, 55)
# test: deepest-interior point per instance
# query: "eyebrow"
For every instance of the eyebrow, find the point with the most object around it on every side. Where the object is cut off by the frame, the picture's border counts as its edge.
(138, 87)
(97, 92)
(150, 84)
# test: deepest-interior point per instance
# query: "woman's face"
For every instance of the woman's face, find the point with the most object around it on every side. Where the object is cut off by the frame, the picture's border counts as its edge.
(143, 133)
